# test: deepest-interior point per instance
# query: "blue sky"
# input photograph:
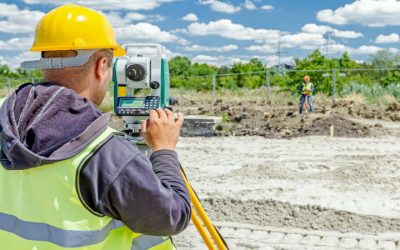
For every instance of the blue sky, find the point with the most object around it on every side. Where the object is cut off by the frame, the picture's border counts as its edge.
(223, 32)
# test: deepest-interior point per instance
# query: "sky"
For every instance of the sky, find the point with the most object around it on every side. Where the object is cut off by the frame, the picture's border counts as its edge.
(224, 32)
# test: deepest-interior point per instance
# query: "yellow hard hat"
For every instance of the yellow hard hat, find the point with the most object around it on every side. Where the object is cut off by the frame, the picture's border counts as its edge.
(73, 27)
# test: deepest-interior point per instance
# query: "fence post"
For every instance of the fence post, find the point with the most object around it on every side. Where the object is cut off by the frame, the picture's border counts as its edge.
(33, 80)
(334, 86)
(268, 78)
(213, 89)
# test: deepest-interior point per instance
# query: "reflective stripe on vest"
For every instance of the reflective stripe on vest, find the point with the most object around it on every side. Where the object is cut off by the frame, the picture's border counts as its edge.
(45, 232)
(40, 209)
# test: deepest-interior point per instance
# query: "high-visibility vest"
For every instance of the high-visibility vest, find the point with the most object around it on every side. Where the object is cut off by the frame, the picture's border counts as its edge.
(307, 88)
(42, 209)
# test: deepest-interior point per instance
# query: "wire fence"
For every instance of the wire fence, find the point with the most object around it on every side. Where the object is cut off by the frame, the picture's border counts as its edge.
(333, 83)
(330, 82)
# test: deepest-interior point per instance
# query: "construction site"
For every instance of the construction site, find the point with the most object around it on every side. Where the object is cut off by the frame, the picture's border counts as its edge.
(207, 124)
(273, 179)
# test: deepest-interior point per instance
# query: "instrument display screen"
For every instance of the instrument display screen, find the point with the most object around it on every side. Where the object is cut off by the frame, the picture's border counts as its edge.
(131, 102)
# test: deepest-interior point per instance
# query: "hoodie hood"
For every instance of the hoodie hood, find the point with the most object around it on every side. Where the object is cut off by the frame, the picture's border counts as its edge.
(43, 123)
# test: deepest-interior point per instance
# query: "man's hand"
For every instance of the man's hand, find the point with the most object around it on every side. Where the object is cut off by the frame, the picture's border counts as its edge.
(161, 131)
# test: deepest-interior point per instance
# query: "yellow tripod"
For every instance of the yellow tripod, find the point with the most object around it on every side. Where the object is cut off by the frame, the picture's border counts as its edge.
(210, 235)
(202, 222)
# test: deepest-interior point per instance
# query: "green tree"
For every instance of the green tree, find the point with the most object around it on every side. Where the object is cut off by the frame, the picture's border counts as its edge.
(345, 62)
(179, 66)
(384, 59)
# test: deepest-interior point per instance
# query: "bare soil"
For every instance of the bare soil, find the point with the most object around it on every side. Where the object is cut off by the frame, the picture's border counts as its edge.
(284, 121)
(269, 166)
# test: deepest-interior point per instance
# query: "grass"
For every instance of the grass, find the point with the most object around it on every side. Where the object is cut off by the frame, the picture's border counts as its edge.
(108, 103)
(226, 95)
(375, 94)
(363, 94)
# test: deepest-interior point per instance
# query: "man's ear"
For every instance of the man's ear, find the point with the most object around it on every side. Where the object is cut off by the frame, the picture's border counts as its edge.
(101, 67)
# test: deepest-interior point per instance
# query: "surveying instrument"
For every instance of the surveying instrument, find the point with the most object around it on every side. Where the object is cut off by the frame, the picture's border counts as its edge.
(141, 83)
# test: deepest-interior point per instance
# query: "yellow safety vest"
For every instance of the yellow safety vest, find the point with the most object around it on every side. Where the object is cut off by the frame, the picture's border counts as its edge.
(41, 209)
(307, 88)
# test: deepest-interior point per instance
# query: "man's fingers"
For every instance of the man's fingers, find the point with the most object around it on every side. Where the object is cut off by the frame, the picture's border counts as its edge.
(170, 115)
(162, 114)
(144, 127)
(154, 115)
(179, 120)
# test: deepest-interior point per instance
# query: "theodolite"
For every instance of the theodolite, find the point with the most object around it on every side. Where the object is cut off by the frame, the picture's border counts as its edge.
(141, 83)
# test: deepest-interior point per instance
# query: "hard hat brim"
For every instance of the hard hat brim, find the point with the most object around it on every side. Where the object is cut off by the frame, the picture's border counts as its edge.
(119, 51)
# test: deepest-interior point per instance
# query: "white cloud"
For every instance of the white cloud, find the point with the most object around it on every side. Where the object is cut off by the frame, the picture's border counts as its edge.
(15, 61)
(8, 9)
(16, 43)
(392, 38)
(373, 13)
(334, 49)
(347, 34)
(191, 17)
(248, 4)
(201, 48)
(365, 50)
(146, 32)
(270, 61)
(219, 6)
(267, 7)
(117, 20)
(151, 51)
(14, 20)
(394, 50)
(302, 40)
(265, 48)
(206, 59)
(225, 28)
(218, 60)
(108, 4)
(361, 50)
(274, 60)
(323, 29)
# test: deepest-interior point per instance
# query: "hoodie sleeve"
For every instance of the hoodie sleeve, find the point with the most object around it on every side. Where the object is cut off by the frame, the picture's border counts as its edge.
(147, 195)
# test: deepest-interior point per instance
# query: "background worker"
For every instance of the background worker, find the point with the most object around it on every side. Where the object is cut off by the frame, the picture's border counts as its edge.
(66, 179)
(306, 90)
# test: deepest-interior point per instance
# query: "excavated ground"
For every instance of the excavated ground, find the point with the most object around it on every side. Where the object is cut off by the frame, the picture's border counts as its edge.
(284, 121)
(274, 179)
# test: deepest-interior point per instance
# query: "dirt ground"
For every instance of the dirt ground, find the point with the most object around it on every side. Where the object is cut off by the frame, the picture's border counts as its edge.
(340, 185)
(284, 121)
(283, 183)
(274, 179)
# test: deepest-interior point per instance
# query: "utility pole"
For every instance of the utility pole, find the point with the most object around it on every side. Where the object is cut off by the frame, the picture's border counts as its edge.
(268, 83)
(214, 82)
(279, 53)
(329, 43)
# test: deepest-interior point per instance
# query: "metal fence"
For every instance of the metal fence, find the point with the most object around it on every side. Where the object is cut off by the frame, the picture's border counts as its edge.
(330, 82)
(8, 84)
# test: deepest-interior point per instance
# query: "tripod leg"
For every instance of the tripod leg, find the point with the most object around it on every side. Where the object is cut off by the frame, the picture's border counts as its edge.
(204, 235)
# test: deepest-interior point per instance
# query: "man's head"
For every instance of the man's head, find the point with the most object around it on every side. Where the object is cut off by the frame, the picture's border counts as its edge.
(77, 45)
(90, 79)
(306, 79)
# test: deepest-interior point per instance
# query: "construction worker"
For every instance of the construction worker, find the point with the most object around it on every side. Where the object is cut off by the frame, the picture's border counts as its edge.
(67, 180)
(306, 90)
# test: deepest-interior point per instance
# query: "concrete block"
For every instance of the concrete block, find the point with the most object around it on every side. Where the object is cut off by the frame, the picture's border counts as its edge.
(367, 244)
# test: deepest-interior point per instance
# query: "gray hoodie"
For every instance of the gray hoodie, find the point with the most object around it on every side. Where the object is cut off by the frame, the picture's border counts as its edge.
(44, 123)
